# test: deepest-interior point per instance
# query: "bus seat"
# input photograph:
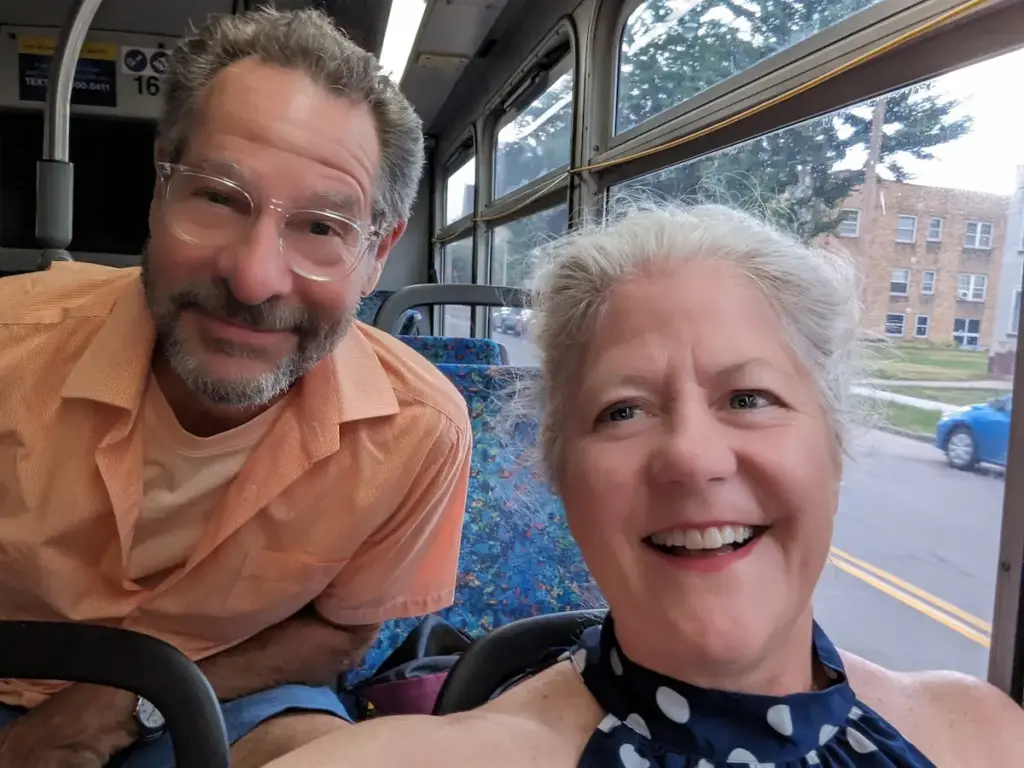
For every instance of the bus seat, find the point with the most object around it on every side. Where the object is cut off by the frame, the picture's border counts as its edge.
(518, 558)
(501, 657)
(369, 306)
(452, 349)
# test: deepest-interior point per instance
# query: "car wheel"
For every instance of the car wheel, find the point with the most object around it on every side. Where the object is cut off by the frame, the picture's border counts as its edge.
(961, 452)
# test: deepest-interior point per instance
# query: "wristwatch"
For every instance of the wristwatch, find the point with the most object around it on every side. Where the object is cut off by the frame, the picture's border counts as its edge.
(148, 718)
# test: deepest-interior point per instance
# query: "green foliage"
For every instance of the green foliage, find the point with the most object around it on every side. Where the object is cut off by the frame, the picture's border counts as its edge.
(668, 57)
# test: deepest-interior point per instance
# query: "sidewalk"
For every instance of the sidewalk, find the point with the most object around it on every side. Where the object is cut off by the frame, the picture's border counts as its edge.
(893, 397)
(891, 384)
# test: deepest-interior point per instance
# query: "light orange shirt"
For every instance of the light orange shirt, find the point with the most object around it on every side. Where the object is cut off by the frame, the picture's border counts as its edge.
(350, 494)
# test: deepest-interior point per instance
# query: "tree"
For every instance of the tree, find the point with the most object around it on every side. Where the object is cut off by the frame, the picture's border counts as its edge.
(672, 50)
(668, 57)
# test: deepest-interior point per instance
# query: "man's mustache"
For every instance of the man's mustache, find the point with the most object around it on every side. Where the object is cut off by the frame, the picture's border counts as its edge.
(217, 300)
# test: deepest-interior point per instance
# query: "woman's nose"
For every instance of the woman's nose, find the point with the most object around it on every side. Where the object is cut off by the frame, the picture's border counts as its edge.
(697, 449)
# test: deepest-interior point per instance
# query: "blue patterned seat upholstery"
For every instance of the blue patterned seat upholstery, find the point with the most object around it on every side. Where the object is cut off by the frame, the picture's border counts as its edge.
(518, 558)
(452, 349)
(367, 311)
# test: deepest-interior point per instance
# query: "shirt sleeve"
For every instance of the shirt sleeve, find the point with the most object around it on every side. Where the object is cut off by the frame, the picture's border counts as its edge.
(408, 567)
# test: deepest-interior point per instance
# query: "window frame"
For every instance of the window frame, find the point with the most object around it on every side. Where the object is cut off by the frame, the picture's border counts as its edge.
(978, 223)
(913, 234)
(511, 107)
(892, 273)
(972, 280)
(842, 221)
(917, 326)
(967, 333)
(935, 277)
(938, 237)
(903, 325)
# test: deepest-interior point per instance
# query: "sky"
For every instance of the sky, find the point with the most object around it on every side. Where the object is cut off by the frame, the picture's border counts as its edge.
(985, 159)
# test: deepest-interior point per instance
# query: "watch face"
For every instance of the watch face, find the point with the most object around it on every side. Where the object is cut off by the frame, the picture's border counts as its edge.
(149, 716)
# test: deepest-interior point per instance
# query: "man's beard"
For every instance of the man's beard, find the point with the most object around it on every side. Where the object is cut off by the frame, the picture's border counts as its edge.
(315, 340)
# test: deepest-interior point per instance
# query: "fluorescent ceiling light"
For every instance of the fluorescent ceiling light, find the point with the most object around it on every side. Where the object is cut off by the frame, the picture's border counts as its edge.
(403, 24)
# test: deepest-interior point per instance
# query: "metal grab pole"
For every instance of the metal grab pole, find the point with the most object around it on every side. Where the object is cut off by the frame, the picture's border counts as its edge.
(55, 176)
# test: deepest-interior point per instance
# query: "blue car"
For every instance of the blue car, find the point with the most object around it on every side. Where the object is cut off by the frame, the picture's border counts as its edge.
(976, 433)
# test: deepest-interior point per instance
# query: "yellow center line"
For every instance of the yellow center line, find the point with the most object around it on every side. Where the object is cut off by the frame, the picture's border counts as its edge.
(906, 586)
(910, 600)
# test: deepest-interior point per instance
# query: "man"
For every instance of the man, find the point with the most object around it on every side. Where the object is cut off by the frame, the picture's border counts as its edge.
(210, 450)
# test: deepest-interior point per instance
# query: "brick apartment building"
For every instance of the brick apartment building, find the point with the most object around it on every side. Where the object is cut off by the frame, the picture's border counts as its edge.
(930, 261)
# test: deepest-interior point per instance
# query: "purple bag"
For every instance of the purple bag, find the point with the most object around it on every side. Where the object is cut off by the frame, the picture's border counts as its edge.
(409, 680)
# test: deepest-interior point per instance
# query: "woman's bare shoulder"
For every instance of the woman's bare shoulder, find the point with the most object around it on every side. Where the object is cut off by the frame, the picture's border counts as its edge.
(953, 718)
(545, 720)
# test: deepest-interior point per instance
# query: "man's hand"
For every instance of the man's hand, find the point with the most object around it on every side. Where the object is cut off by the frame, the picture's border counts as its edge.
(304, 649)
(82, 726)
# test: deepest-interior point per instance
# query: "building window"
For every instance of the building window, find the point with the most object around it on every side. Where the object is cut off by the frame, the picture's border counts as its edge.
(978, 235)
(894, 324)
(921, 327)
(906, 229)
(966, 332)
(1015, 313)
(849, 223)
(934, 229)
(899, 282)
(971, 287)
(928, 282)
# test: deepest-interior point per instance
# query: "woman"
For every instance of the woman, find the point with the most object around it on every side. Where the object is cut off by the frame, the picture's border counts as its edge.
(696, 364)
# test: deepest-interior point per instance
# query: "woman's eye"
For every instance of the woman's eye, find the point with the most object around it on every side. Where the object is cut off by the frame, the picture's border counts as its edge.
(749, 401)
(620, 413)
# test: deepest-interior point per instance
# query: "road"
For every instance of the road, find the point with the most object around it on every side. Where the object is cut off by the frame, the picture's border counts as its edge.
(911, 581)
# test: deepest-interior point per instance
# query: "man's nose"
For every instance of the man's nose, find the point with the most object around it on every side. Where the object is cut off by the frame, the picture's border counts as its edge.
(255, 265)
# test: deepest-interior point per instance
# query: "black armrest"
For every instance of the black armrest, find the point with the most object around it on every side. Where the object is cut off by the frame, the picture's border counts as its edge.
(118, 658)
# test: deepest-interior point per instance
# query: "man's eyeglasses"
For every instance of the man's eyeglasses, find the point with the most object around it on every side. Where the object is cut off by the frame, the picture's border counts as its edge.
(210, 210)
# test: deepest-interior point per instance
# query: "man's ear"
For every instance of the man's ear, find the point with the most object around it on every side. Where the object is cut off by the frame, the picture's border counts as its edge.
(380, 257)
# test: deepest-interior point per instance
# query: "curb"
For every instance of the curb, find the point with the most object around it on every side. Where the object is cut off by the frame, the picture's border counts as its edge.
(908, 433)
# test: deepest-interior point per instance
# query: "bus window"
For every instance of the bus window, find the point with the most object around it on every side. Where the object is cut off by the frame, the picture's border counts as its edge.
(457, 267)
(536, 140)
(911, 575)
(458, 191)
(512, 264)
(671, 50)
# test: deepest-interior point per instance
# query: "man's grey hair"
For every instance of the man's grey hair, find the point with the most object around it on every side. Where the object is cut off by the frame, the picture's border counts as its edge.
(306, 41)
(814, 290)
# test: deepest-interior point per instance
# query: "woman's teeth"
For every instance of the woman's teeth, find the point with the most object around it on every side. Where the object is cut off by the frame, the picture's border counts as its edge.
(707, 538)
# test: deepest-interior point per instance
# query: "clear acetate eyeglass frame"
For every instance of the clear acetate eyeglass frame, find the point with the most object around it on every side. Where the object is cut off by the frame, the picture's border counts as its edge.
(211, 210)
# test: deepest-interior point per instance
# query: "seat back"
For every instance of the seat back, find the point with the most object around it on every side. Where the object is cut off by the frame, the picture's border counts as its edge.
(452, 349)
(501, 656)
(370, 305)
(129, 661)
(518, 558)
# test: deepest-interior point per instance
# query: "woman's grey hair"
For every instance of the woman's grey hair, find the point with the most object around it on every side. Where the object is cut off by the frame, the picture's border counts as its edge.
(814, 290)
(306, 41)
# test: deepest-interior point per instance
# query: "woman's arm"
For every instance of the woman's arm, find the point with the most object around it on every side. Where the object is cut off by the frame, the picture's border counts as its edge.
(546, 720)
(981, 724)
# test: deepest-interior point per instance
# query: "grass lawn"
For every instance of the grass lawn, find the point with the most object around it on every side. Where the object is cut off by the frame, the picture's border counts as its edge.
(924, 362)
(950, 395)
(902, 416)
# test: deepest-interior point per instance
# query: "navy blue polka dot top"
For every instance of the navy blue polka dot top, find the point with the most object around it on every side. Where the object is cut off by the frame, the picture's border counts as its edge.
(657, 722)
